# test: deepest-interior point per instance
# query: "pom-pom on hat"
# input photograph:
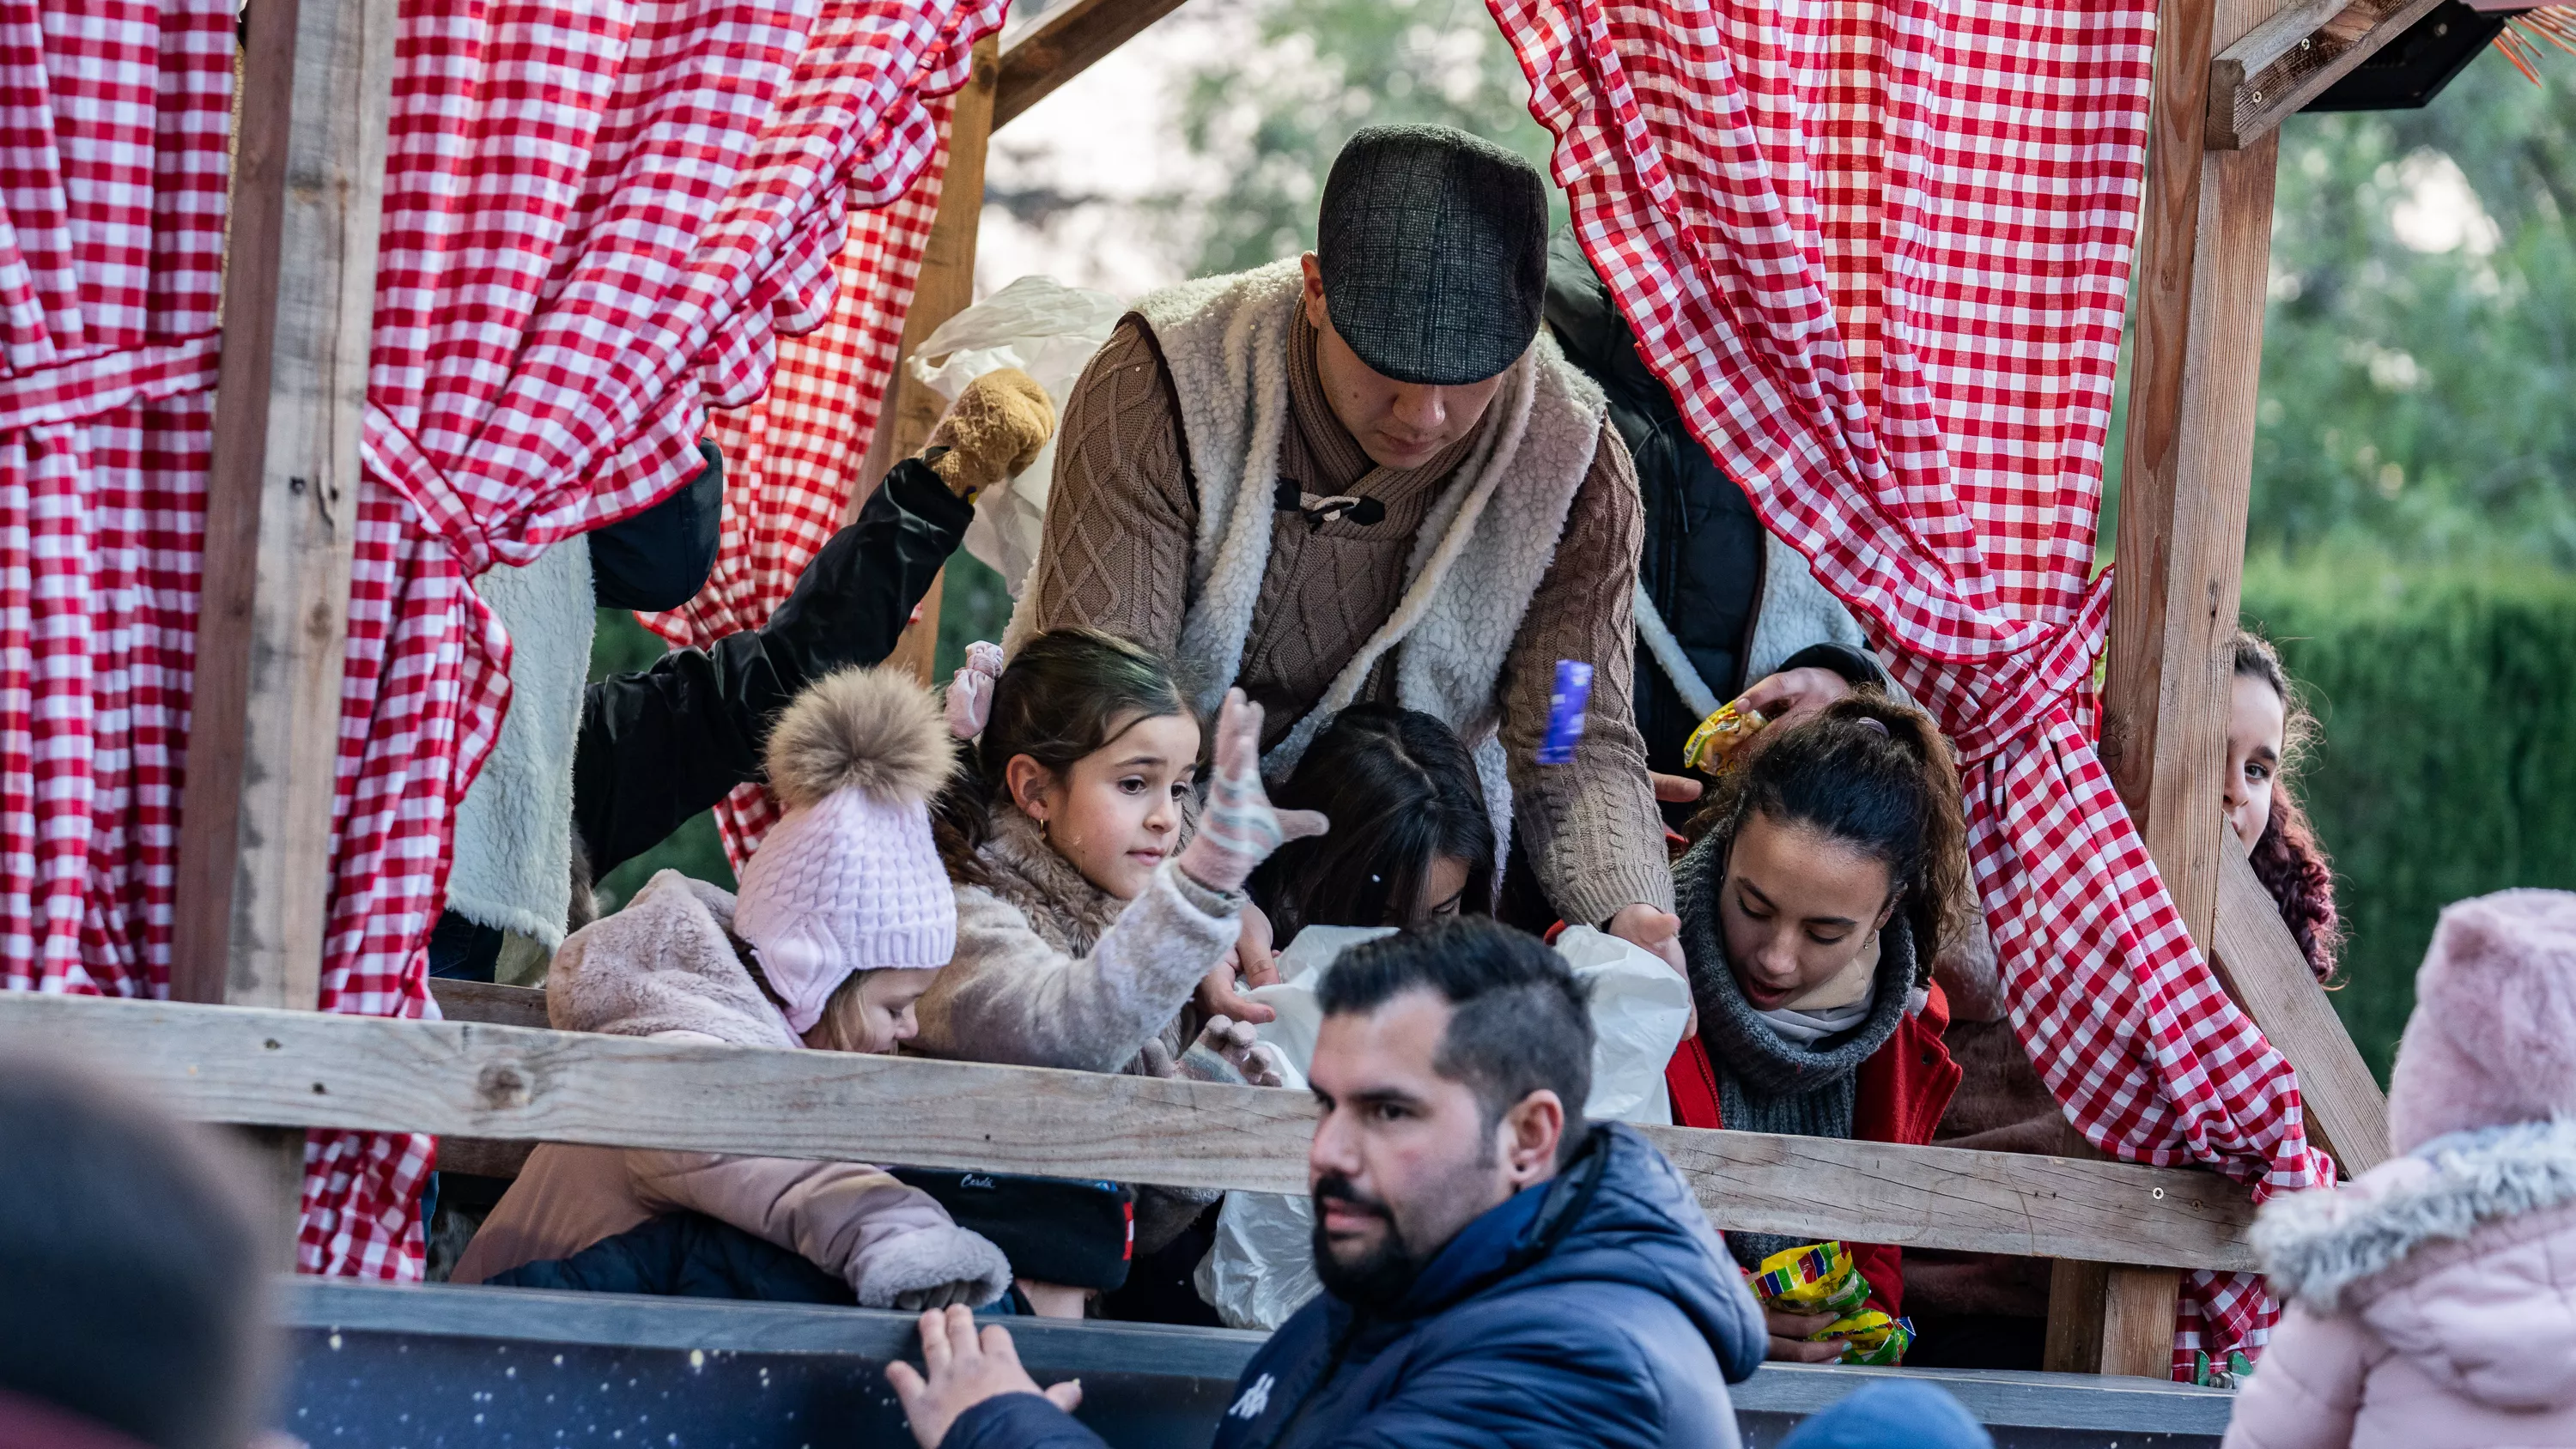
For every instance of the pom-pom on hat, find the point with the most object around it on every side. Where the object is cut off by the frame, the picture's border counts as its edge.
(850, 879)
(2493, 1037)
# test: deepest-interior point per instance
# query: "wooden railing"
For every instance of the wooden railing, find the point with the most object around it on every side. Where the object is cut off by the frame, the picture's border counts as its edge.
(510, 1083)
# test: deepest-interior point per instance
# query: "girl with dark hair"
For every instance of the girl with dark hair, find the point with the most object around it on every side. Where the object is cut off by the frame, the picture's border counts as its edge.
(2267, 728)
(1830, 868)
(1087, 911)
(1415, 841)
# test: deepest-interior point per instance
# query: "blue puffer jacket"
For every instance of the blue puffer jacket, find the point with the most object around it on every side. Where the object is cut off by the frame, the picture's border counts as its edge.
(1598, 1308)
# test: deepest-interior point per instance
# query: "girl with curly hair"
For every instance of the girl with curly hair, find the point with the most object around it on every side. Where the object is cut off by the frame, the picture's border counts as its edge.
(2267, 728)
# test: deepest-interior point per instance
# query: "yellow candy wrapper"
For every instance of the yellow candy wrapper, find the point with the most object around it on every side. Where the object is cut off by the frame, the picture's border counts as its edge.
(1816, 1278)
(1871, 1337)
(1719, 736)
(1821, 1278)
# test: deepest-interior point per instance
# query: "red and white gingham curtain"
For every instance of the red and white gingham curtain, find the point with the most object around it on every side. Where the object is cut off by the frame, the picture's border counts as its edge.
(599, 216)
(113, 126)
(1879, 251)
(792, 457)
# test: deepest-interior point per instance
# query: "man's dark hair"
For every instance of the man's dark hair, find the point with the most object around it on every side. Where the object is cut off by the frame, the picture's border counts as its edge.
(131, 1264)
(1521, 1020)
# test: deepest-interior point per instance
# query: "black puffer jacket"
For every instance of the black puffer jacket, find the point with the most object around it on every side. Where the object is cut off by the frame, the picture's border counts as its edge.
(662, 744)
(1703, 560)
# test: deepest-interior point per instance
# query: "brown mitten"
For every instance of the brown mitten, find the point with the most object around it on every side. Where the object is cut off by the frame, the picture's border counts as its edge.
(992, 431)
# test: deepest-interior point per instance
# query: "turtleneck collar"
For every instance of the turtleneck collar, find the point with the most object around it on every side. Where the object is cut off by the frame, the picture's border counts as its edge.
(1739, 1039)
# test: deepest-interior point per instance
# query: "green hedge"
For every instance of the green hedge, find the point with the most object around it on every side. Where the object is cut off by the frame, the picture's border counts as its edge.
(2446, 762)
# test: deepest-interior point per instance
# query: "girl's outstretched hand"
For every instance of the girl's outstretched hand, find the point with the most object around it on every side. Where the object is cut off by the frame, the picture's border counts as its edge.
(1239, 829)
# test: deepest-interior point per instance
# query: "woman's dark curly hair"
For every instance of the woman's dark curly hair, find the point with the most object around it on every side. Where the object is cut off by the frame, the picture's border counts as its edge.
(2287, 858)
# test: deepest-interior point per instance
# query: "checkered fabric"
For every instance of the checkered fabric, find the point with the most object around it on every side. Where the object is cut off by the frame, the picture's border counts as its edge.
(113, 119)
(1880, 252)
(597, 222)
(792, 457)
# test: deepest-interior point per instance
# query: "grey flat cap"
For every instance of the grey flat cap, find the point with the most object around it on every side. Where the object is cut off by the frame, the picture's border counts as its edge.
(1433, 245)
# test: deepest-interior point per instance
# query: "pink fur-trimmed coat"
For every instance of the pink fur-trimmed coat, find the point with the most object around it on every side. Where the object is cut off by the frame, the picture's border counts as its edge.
(2433, 1302)
(665, 967)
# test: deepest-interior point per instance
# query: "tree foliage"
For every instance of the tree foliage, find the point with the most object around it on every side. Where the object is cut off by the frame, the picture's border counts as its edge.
(2419, 356)
(1275, 117)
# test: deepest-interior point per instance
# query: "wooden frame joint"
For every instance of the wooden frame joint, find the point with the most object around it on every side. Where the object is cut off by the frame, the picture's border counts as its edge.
(2289, 60)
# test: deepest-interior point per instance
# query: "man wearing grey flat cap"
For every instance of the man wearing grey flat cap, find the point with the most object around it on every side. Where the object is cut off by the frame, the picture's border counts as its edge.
(1365, 474)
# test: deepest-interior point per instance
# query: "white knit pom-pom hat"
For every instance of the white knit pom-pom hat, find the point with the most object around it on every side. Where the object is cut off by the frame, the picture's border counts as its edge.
(850, 880)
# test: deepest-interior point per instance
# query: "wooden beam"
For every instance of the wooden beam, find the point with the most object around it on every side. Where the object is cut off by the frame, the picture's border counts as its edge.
(307, 192)
(2290, 59)
(2106, 1318)
(482, 1001)
(264, 722)
(2204, 244)
(2263, 968)
(224, 1064)
(2204, 251)
(1064, 45)
(945, 287)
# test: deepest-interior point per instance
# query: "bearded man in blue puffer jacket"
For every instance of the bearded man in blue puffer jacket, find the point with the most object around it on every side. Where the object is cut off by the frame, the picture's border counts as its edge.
(1493, 1273)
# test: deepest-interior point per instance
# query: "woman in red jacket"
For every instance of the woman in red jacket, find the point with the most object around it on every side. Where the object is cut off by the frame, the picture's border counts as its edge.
(1829, 870)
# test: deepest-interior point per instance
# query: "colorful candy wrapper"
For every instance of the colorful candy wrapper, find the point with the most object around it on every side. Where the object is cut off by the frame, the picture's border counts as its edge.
(1719, 736)
(1871, 1338)
(1817, 1278)
(1820, 1278)
(1565, 705)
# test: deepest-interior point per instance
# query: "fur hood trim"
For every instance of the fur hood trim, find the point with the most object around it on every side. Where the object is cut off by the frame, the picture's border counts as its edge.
(664, 964)
(2317, 1245)
(1062, 905)
(873, 730)
(929, 1258)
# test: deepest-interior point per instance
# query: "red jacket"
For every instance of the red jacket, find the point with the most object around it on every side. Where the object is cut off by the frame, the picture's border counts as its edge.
(1903, 1089)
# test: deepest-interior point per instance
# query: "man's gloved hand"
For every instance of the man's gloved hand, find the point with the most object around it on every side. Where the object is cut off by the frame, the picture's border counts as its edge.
(1238, 830)
(991, 432)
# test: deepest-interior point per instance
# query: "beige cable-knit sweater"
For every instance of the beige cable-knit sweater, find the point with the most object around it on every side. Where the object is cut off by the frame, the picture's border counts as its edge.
(1116, 556)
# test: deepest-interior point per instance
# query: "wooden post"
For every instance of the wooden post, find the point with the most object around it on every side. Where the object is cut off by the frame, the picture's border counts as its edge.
(945, 288)
(2204, 245)
(264, 725)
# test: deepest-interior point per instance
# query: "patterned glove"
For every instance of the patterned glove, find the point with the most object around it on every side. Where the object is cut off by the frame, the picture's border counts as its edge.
(970, 692)
(1238, 830)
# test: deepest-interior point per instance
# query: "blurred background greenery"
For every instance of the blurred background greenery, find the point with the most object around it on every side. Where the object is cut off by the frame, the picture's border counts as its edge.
(2413, 531)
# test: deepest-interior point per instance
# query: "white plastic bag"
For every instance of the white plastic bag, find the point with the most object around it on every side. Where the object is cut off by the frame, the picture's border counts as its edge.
(1049, 331)
(1639, 1009)
(1262, 1267)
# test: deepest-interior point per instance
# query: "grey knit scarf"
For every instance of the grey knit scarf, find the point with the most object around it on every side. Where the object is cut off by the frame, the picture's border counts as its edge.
(1766, 1082)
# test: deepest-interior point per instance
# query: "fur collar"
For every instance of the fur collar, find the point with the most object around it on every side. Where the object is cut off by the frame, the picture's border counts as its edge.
(1481, 552)
(665, 963)
(1062, 905)
(2317, 1245)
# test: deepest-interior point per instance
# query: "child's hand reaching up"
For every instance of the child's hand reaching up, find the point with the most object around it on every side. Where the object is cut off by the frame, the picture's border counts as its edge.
(1239, 829)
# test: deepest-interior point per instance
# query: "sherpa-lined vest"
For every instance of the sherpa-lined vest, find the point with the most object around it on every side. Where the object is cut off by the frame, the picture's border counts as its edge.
(1483, 550)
